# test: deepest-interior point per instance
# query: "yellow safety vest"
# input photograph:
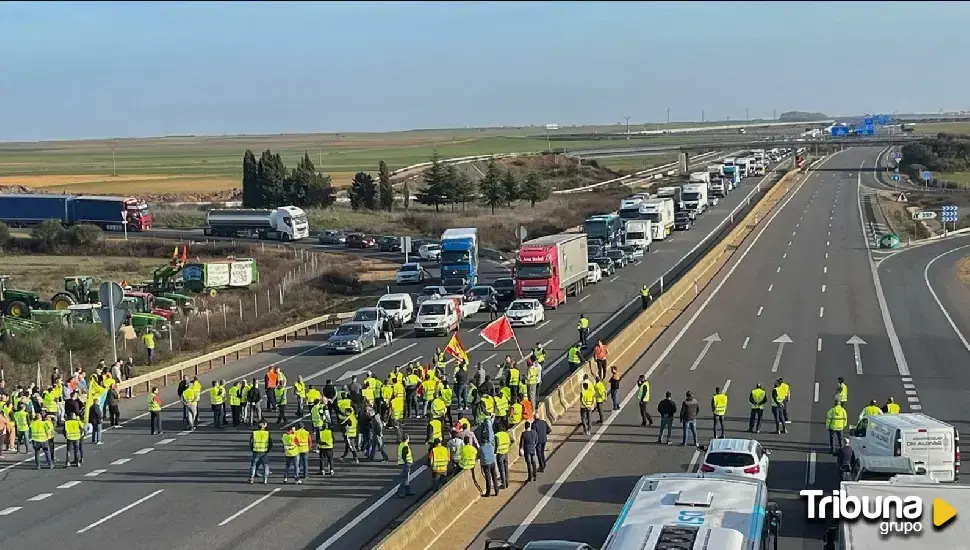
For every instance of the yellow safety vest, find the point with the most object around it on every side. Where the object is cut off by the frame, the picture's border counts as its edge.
(429, 388)
(446, 394)
(398, 389)
(439, 459)
(260, 441)
(588, 398)
(645, 391)
(152, 405)
(836, 418)
(326, 439)
(599, 389)
(313, 395)
(50, 430)
(720, 404)
(438, 408)
(467, 458)
(351, 429)
(583, 323)
(539, 354)
(22, 420)
(73, 430)
(189, 395)
(533, 376)
(489, 403)
(303, 442)
(516, 415)
(344, 407)
(387, 392)
(368, 395)
(316, 415)
(280, 394)
(290, 447)
(892, 408)
(435, 429)
(843, 393)
(235, 399)
(513, 376)
(38, 431)
(644, 291)
(197, 386)
(299, 388)
(573, 355)
(871, 410)
(502, 443)
(758, 396)
(149, 340)
(50, 402)
(397, 407)
(411, 381)
(402, 457)
(501, 405)
(217, 395)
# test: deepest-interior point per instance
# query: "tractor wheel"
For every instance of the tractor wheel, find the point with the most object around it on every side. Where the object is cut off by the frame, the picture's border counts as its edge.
(62, 300)
(17, 308)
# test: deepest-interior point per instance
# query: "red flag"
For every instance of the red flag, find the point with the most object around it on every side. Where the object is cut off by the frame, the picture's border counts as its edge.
(185, 254)
(498, 331)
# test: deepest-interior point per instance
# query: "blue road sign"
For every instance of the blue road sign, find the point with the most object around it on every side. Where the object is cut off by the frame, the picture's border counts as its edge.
(882, 120)
(898, 156)
(839, 131)
(867, 121)
(948, 218)
(867, 130)
(950, 208)
(927, 176)
(895, 177)
(896, 169)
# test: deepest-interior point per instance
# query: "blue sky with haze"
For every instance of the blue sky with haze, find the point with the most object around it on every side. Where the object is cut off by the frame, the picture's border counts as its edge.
(145, 69)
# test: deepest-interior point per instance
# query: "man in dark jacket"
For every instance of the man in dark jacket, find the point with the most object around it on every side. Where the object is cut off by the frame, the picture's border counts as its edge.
(542, 430)
(689, 410)
(183, 383)
(111, 401)
(528, 445)
(253, 397)
(667, 409)
(330, 392)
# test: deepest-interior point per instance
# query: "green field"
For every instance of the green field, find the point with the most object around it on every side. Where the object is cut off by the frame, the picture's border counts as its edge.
(634, 164)
(944, 127)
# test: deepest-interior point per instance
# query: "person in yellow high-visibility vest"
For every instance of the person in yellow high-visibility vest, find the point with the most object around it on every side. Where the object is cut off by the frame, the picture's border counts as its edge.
(299, 389)
(719, 403)
(39, 439)
(599, 391)
(583, 327)
(587, 400)
(404, 459)
(758, 398)
(291, 451)
(217, 400)
(74, 433)
(439, 457)
(872, 409)
(891, 407)
(836, 419)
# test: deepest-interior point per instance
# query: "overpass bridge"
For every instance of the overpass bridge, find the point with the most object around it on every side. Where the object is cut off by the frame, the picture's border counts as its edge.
(707, 145)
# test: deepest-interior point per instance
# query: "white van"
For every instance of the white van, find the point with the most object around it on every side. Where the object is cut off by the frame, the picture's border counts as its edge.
(400, 306)
(930, 443)
(437, 317)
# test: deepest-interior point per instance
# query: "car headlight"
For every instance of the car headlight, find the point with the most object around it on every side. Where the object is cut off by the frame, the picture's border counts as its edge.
(356, 343)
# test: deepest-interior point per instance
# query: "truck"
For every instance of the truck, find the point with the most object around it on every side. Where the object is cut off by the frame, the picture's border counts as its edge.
(552, 267)
(284, 223)
(637, 232)
(699, 177)
(742, 164)
(220, 275)
(459, 254)
(108, 213)
(732, 175)
(674, 194)
(695, 197)
(605, 227)
(660, 214)
(863, 535)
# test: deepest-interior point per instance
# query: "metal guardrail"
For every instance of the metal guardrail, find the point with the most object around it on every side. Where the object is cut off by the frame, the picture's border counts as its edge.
(234, 352)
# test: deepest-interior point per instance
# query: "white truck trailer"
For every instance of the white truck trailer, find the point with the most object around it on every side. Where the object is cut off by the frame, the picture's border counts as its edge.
(660, 214)
(695, 197)
(285, 223)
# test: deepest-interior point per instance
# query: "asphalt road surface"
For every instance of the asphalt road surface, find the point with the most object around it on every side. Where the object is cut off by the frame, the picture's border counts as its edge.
(188, 490)
(800, 288)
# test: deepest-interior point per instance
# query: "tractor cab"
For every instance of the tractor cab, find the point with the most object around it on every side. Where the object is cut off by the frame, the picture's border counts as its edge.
(84, 314)
(78, 289)
(17, 303)
(143, 302)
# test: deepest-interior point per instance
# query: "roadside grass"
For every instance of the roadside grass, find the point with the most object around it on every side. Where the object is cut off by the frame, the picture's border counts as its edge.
(635, 164)
(943, 127)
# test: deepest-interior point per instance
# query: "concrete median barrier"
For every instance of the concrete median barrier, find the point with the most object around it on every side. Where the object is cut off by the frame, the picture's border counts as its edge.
(424, 528)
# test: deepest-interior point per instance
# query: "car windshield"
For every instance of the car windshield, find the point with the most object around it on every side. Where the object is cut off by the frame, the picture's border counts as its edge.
(603, 262)
(533, 271)
(431, 291)
(681, 216)
(408, 268)
(349, 330)
(433, 309)
(729, 460)
(615, 254)
(504, 283)
(481, 291)
(591, 267)
(432, 248)
(366, 315)
(390, 304)
(520, 305)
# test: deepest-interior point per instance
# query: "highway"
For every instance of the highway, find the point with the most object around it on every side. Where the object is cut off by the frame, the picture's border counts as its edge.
(188, 490)
(785, 306)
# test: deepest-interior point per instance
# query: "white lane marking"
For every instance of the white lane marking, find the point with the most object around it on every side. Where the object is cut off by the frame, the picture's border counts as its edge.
(810, 470)
(544, 323)
(184, 432)
(823, 288)
(778, 270)
(906, 379)
(939, 303)
(830, 234)
(10, 510)
(726, 385)
(819, 344)
(694, 458)
(250, 506)
(793, 233)
(785, 255)
(584, 298)
(826, 255)
(638, 263)
(909, 386)
(547, 497)
(68, 485)
(121, 461)
(771, 286)
(144, 451)
(816, 392)
(40, 497)
(910, 392)
(887, 320)
(613, 279)
(119, 512)
(915, 407)
(827, 243)
(95, 473)
(760, 309)
(166, 441)
(370, 510)
(912, 399)
(821, 311)
(745, 344)
(789, 243)
(825, 269)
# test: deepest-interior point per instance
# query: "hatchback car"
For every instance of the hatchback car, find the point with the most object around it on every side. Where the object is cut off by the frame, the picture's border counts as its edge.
(359, 240)
(618, 256)
(330, 236)
(411, 272)
(389, 243)
(505, 288)
(736, 457)
(634, 251)
(351, 337)
(372, 316)
(594, 273)
(527, 312)
(483, 293)
(682, 221)
(606, 265)
(430, 252)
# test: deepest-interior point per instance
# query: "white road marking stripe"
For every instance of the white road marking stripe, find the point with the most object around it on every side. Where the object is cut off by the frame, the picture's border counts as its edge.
(745, 344)
(771, 286)
(118, 513)
(250, 506)
(40, 497)
(912, 399)
(816, 392)
(95, 473)
(819, 344)
(144, 451)
(10, 510)
(120, 461)
(760, 309)
(68, 485)
(166, 441)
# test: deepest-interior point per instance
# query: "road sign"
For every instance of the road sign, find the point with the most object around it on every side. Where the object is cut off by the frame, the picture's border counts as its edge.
(898, 156)
(868, 130)
(895, 177)
(107, 317)
(924, 215)
(950, 208)
(110, 294)
(839, 131)
(868, 121)
(927, 175)
(523, 233)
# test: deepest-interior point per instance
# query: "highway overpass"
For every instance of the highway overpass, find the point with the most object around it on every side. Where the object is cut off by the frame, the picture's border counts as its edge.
(749, 143)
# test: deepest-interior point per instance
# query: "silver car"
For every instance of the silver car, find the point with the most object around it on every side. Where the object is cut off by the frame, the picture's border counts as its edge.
(330, 236)
(373, 317)
(352, 337)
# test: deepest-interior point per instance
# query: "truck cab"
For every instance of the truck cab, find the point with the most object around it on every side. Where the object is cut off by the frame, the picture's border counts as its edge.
(695, 198)
(459, 254)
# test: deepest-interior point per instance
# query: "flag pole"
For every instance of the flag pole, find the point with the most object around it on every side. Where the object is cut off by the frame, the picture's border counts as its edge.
(514, 337)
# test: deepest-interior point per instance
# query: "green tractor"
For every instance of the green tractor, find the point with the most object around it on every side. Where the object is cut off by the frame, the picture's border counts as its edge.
(79, 289)
(166, 284)
(18, 303)
(142, 316)
(16, 325)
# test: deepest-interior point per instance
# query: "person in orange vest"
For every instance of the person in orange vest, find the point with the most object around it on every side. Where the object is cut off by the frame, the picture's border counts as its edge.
(599, 353)
(270, 381)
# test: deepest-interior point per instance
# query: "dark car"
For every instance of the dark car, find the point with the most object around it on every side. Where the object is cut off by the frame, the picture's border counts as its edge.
(416, 244)
(618, 256)
(682, 221)
(505, 289)
(483, 292)
(330, 236)
(359, 240)
(389, 243)
(606, 265)
(456, 285)
(594, 251)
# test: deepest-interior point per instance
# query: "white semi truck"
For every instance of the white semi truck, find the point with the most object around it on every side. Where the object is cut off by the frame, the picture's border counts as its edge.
(637, 232)
(695, 197)
(660, 214)
(284, 223)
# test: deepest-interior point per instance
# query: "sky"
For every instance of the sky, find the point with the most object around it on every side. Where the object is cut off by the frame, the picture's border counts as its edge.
(127, 69)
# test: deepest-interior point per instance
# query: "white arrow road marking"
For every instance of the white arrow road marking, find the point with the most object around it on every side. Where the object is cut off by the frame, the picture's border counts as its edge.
(708, 342)
(855, 342)
(781, 341)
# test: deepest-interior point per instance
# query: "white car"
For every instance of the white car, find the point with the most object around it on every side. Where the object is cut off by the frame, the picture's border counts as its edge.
(736, 457)
(430, 293)
(411, 272)
(713, 201)
(527, 312)
(430, 252)
(594, 273)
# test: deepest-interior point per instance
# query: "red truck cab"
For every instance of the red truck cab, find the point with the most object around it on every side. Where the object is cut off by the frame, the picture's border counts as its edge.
(537, 275)
(138, 216)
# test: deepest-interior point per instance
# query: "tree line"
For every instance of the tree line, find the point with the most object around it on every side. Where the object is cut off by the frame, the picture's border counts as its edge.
(445, 184)
(944, 153)
(268, 183)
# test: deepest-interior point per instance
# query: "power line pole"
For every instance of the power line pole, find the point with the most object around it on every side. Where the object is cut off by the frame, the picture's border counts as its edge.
(627, 127)
(114, 165)
(746, 115)
(668, 115)
(702, 116)
(774, 113)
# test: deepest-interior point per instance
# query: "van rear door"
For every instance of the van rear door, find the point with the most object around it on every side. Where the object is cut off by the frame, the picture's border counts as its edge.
(933, 449)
